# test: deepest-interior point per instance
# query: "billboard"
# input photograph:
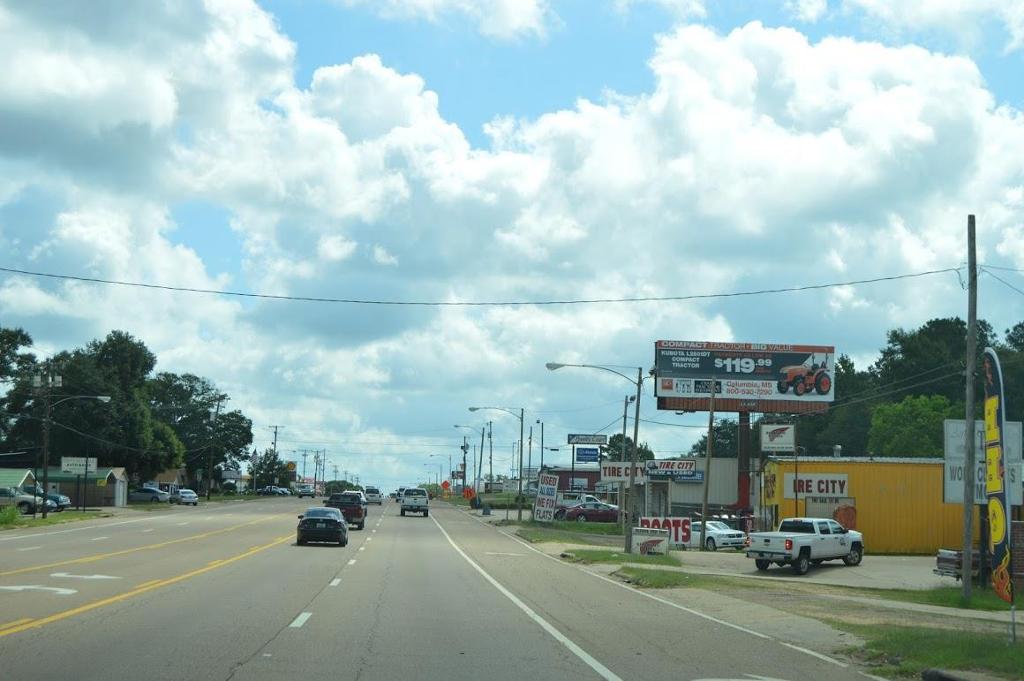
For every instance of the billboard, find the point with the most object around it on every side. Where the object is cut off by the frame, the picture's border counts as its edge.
(995, 479)
(823, 485)
(765, 377)
(618, 471)
(678, 470)
(587, 454)
(678, 528)
(778, 438)
(953, 473)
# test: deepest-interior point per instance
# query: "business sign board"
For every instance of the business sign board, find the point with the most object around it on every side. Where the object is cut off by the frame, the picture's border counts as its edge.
(583, 439)
(229, 474)
(547, 493)
(953, 473)
(588, 454)
(679, 470)
(766, 377)
(995, 480)
(618, 471)
(778, 438)
(649, 542)
(678, 528)
(816, 485)
(78, 464)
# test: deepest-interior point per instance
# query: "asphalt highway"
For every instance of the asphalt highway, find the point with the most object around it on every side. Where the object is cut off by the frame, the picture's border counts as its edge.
(223, 593)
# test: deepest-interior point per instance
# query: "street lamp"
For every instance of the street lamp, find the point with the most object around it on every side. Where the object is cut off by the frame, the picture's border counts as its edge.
(519, 496)
(56, 380)
(554, 366)
(477, 469)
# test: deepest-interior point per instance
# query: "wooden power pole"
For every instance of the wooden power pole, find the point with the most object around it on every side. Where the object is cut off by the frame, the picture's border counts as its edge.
(966, 564)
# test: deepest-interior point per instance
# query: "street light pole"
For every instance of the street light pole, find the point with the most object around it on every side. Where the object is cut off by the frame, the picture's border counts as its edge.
(554, 366)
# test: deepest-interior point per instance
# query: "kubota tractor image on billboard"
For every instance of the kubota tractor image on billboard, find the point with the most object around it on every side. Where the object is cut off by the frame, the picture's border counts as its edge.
(813, 374)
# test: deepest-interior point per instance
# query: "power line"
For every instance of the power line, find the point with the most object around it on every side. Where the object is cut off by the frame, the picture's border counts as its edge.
(441, 303)
(1001, 280)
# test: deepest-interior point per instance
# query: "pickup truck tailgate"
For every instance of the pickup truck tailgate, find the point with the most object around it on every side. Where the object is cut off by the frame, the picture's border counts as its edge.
(769, 544)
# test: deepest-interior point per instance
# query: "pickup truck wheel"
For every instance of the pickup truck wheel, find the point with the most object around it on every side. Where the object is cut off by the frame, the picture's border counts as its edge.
(402, 512)
(710, 544)
(425, 513)
(762, 565)
(343, 543)
(801, 564)
(855, 556)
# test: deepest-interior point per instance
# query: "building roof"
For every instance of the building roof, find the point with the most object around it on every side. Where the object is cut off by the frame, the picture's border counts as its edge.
(170, 475)
(56, 474)
(14, 477)
(858, 459)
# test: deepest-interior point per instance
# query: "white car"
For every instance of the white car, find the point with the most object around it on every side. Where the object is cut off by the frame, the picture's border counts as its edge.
(184, 497)
(373, 496)
(718, 536)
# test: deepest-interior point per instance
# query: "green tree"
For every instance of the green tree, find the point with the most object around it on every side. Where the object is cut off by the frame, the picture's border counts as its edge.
(912, 427)
(613, 450)
(727, 440)
(266, 468)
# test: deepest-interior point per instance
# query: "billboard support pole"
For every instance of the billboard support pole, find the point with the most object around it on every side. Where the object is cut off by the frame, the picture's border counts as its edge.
(707, 468)
(967, 556)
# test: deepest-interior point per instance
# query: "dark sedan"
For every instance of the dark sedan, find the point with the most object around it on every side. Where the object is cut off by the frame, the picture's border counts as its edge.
(321, 524)
(594, 512)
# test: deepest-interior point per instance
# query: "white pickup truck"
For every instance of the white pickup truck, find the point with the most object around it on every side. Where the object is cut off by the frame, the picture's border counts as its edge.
(802, 542)
(414, 500)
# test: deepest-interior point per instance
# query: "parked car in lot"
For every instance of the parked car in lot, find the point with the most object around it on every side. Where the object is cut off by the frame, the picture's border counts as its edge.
(717, 536)
(351, 506)
(373, 496)
(593, 512)
(321, 524)
(415, 500)
(151, 494)
(802, 542)
(567, 500)
(60, 501)
(185, 497)
(25, 503)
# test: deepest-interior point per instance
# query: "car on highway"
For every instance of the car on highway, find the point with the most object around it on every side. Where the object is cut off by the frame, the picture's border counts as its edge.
(415, 500)
(321, 524)
(185, 497)
(351, 506)
(151, 494)
(373, 496)
(60, 501)
(593, 512)
(802, 542)
(305, 491)
(718, 535)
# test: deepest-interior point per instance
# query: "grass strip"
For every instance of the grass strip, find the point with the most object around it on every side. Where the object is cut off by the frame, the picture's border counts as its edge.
(23, 521)
(608, 556)
(666, 579)
(899, 651)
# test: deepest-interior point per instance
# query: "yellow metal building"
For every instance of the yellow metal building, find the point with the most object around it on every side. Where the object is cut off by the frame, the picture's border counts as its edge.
(895, 502)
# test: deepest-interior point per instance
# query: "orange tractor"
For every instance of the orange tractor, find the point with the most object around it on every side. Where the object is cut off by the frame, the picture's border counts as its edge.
(803, 378)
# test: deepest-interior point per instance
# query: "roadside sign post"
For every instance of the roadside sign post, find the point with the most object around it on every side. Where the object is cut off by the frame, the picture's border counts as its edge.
(79, 465)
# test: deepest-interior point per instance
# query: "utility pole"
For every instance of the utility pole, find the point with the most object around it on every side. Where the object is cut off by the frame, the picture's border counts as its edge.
(967, 560)
(622, 488)
(275, 428)
(480, 467)
(46, 383)
(209, 458)
(465, 448)
(541, 467)
(490, 445)
(305, 453)
(529, 454)
(519, 495)
(633, 520)
(474, 468)
(707, 468)
(316, 468)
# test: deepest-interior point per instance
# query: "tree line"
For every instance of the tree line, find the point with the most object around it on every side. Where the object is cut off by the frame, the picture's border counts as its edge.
(895, 406)
(152, 422)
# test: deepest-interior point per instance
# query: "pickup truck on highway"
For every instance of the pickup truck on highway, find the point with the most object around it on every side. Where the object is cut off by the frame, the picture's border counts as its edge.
(415, 500)
(802, 542)
(351, 506)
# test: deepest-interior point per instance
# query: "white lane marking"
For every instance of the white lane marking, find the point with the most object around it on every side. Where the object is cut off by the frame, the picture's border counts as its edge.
(98, 538)
(149, 530)
(29, 548)
(362, 548)
(182, 524)
(267, 654)
(336, 581)
(74, 529)
(599, 668)
(369, 539)
(674, 605)
(300, 620)
(805, 651)
(71, 576)
(39, 587)
(352, 561)
(499, 553)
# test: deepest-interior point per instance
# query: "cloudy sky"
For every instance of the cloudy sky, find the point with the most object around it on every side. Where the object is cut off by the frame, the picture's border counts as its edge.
(497, 150)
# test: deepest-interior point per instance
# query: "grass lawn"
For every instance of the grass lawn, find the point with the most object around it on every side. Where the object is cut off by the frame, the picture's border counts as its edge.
(948, 596)
(22, 521)
(907, 651)
(609, 556)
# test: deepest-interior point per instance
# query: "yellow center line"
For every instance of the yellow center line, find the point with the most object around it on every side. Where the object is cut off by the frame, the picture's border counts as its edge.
(23, 620)
(152, 581)
(122, 552)
(20, 625)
